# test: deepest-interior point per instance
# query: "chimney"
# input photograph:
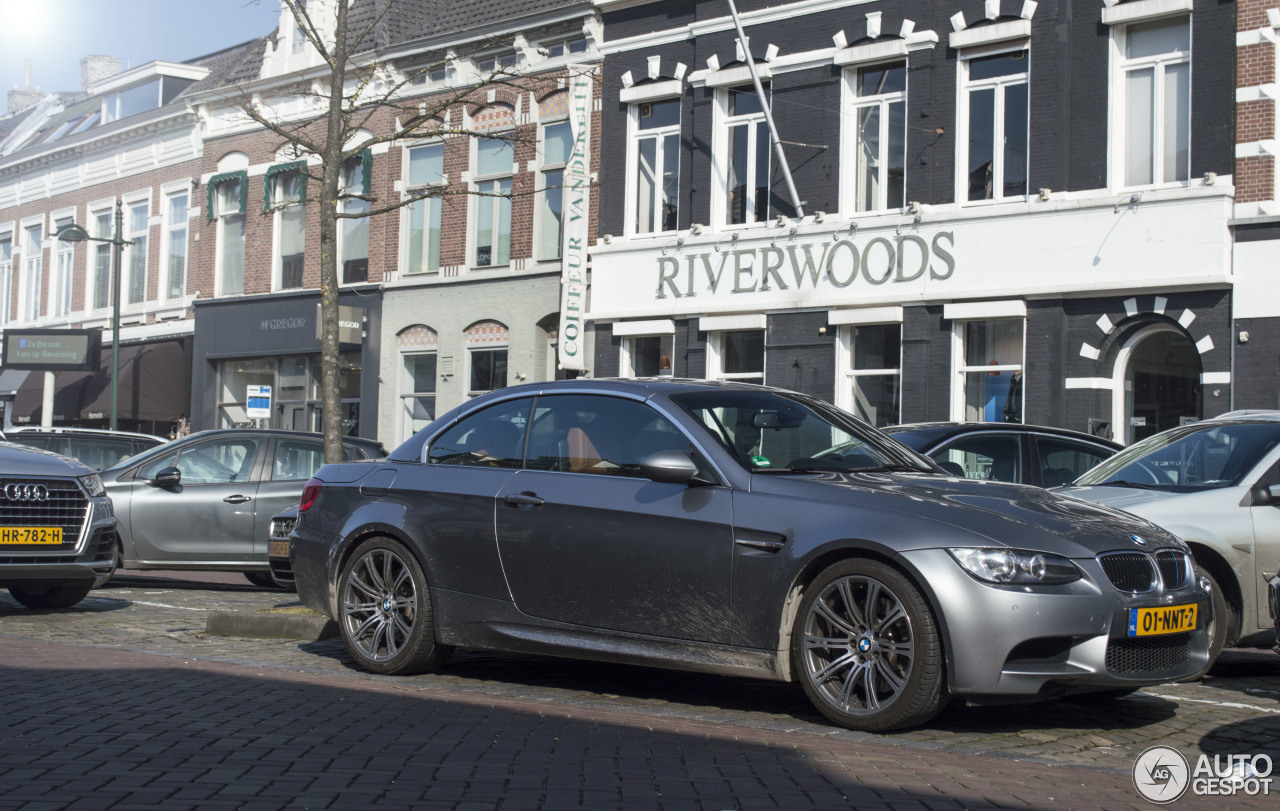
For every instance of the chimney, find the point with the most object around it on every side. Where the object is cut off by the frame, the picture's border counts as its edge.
(95, 68)
(20, 98)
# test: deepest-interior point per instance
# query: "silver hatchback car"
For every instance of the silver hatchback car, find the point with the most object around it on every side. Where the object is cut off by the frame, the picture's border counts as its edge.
(1216, 485)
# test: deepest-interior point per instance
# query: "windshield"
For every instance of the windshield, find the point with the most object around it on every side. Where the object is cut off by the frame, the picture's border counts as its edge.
(786, 433)
(1189, 458)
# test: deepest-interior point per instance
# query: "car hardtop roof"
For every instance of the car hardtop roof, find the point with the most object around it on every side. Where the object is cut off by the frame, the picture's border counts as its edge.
(634, 385)
(1248, 414)
(949, 429)
(63, 429)
(282, 432)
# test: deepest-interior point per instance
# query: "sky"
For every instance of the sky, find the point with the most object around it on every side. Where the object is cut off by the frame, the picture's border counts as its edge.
(55, 34)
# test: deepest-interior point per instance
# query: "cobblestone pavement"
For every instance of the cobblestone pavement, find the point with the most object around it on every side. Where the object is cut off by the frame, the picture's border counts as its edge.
(266, 723)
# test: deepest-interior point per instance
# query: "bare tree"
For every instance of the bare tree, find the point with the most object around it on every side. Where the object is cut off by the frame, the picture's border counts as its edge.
(361, 93)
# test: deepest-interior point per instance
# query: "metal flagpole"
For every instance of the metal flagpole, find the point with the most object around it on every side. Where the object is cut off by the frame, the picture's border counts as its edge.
(768, 113)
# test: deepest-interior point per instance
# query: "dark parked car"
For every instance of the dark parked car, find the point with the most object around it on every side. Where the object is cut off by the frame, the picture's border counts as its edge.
(97, 449)
(204, 501)
(1007, 452)
(744, 530)
(1216, 485)
(57, 529)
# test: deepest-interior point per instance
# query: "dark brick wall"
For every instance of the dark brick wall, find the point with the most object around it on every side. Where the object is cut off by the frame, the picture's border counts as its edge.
(926, 365)
(1043, 363)
(1257, 364)
(798, 357)
(1069, 97)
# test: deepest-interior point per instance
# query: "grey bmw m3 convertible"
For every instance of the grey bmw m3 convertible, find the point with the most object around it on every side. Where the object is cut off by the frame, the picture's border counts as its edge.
(739, 529)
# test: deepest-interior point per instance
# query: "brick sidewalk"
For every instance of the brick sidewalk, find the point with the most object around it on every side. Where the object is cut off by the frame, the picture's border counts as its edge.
(97, 728)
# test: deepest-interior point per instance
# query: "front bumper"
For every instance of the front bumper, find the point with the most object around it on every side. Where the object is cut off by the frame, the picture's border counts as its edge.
(1006, 642)
(96, 562)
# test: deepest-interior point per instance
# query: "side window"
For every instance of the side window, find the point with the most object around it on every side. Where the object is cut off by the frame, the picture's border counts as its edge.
(150, 469)
(296, 461)
(99, 453)
(983, 457)
(1061, 460)
(601, 435)
(492, 437)
(220, 461)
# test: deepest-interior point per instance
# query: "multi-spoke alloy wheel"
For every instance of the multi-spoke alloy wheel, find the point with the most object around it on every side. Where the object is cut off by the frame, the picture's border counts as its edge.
(866, 648)
(385, 607)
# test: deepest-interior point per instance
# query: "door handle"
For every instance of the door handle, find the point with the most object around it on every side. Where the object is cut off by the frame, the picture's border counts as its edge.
(523, 500)
(237, 499)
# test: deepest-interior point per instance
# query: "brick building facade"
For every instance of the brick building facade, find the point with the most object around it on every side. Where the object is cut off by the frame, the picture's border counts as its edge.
(1008, 210)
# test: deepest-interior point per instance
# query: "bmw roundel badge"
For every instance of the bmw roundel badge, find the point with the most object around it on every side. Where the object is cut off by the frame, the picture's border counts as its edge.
(1139, 540)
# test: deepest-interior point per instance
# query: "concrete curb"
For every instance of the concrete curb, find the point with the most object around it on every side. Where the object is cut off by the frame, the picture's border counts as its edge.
(266, 625)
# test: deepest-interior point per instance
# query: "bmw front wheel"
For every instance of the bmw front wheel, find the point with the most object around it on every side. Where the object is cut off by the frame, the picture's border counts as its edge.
(866, 648)
(385, 611)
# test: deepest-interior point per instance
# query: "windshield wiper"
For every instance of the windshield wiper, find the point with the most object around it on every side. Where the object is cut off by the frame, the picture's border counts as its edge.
(831, 466)
(1124, 483)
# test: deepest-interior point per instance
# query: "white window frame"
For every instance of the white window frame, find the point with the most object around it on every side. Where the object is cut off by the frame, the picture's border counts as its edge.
(720, 158)
(221, 217)
(961, 316)
(278, 207)
(167, 193)
(716, 327)
(505, 346)
(540, 210)
(635, 136)
(429, 203)
(1118, 108)
(845, 355)
(850, 177)
(31, 277)
(126, 262)
(998, 84)
(629, 331)
(344, 205)
(477, 181)
(408, 395)
(96, 209)
(6, 275)
(62, 280)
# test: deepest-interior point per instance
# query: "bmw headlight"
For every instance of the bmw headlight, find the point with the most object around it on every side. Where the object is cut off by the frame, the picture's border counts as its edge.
(93, 485)
(1016, 567)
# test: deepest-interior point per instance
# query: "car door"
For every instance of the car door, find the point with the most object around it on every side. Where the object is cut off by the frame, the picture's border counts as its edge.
(1060, 460)
(209, 516)
(584, 539)
(1266, 537)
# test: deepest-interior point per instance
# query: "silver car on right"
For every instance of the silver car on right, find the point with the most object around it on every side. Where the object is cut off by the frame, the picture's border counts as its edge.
(1216, 485)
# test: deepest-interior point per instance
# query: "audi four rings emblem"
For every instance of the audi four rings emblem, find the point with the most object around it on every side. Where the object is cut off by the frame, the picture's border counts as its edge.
(26, 492)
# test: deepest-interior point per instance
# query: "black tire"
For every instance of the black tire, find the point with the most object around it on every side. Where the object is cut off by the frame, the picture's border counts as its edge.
(1219, 626)
(384, 611)
(54, 596)
(260, 579)
(866, 649)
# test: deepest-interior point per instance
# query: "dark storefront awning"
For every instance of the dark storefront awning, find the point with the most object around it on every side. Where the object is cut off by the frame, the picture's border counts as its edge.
(153, 387)
(11, 381)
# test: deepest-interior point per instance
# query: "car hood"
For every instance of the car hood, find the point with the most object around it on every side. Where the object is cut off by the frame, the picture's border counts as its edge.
(21, 460)
(999, 513)
(1121, 498)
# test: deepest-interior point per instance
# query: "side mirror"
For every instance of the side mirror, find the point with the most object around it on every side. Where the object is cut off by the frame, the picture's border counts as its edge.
(167, 477)
(1266, 496)
(668, 467)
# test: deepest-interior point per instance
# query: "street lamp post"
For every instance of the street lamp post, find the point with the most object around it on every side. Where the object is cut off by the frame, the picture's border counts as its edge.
(76, 233)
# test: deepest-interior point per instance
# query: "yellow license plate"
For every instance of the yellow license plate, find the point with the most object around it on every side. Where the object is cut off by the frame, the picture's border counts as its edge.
(278, 549)
(31, 535)
(1167, 619)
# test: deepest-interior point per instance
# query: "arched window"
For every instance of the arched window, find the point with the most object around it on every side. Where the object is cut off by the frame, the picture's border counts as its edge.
(486, 357)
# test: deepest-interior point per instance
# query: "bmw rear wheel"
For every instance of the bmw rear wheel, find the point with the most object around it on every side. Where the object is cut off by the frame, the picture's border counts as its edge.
(385, 611)
(866, 648)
